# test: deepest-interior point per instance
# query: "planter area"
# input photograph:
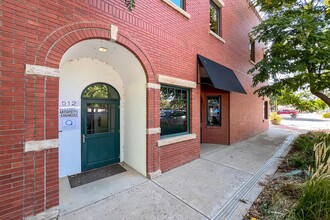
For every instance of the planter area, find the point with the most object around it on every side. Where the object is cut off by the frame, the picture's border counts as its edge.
(300, 189)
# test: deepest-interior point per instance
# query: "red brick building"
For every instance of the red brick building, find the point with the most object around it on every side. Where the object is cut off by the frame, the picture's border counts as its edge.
(79, 74)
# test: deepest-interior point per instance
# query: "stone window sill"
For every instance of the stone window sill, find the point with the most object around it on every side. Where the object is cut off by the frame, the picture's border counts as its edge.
(219, 3)
(176, 81)
(252, 62)
(180, 10)
(217, 36)
(177, 139)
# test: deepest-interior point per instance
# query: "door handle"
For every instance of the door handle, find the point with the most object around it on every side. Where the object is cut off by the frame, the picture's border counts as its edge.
(83, 138)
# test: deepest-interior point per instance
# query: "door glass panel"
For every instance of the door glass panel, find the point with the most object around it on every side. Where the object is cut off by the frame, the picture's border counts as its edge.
(96, 91)
(100, 91)
(98, 118)
(214, 111)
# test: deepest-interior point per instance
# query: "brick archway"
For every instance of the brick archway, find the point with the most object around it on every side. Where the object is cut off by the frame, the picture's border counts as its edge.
(50, 52)
(42, 93)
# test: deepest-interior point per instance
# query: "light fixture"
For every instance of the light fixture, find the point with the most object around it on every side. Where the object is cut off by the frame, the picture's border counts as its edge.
(103, 49)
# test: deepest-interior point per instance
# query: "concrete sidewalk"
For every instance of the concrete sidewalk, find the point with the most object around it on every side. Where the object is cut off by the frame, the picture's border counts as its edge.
(222, 184)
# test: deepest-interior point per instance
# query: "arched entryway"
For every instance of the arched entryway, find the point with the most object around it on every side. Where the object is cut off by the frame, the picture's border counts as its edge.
(99, 126)
(92, 63)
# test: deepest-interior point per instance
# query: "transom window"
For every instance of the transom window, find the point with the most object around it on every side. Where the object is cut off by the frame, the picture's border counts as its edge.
(215, 16)
(179, 3)
(100, 91)
(214, 111)
(174, 111)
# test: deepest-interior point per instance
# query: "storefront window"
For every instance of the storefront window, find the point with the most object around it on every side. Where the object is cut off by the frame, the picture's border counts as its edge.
(213, 111)
(174, 111)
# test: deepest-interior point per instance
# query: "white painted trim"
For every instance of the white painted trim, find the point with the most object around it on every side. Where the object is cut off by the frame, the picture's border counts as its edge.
(173, 140)
(219, 3)
(154, 175)
(51, 213)
(177, 82)
(217, 36)
(113, 33)
(153, 131)
(180, 10)
(153, 86)
(41, 70)
(40, 145)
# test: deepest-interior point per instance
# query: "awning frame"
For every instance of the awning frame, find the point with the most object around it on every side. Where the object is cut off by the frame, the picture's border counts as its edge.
(220, 76)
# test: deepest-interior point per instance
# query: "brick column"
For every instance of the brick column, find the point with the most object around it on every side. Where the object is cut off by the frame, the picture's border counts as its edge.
(41, 180)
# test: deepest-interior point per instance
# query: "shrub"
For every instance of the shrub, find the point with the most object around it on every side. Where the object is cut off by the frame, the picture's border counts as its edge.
(303, 157)
(315, 200)
(326, 115)
(274, 116)
(322, 160)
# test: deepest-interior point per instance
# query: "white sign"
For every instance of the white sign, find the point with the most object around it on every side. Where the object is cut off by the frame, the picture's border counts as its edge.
(69, 118)
(66, 112)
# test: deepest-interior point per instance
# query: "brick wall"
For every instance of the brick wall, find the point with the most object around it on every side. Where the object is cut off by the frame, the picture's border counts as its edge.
(39, 32)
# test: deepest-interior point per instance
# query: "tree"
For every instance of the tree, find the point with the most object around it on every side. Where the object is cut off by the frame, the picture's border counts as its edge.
(302, 100)
(297, 35)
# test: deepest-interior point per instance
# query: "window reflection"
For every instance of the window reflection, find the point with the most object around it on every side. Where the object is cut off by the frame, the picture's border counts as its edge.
(214, 18)
(173, 110)
(100, 118)
(100, 90)
(214, 113)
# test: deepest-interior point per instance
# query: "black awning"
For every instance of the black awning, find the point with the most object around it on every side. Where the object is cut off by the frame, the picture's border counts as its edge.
(221, 76)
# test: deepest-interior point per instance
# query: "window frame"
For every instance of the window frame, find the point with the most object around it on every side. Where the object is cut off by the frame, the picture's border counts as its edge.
(219, 16)
(182, 4)
(207, 110)
(178, 8)
(252, 50)
(265, 110)
(188, 111)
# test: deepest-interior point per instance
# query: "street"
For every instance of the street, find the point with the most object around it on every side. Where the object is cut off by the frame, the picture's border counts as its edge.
(305, 122)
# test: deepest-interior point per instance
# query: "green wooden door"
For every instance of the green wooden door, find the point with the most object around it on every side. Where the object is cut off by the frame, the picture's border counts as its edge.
(100, 133)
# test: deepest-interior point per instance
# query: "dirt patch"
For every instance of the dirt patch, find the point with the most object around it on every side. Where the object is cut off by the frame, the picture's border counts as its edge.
(280, 192)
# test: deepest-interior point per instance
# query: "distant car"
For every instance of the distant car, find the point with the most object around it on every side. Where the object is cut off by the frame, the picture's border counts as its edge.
(173, 118)
(292, 112)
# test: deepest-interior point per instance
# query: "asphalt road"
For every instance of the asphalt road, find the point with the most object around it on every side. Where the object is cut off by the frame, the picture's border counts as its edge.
(306, 122)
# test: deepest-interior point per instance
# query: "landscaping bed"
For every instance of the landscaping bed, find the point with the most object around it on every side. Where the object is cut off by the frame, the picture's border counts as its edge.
(300, 189)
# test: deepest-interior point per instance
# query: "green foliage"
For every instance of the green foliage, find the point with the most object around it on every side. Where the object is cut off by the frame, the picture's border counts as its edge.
(315, 200)
(98, 90)
(213, 20)
(303, 101)
(298, 36)
(303, 156)
(130, 4)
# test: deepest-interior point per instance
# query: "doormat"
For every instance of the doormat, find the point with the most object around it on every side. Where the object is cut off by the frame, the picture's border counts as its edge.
(95, 174)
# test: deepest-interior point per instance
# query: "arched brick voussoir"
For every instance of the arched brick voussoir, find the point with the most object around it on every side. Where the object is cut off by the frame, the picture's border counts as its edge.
(56, 51)
(58, 42)
(52, 38)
